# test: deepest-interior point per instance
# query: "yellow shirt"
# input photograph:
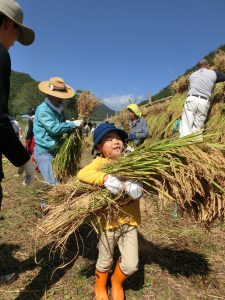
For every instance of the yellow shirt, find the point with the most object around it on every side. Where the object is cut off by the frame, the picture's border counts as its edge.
(127, 214)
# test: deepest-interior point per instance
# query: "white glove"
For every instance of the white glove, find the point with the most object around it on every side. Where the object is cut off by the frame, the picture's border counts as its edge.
(133, 188)
(114, 185)
(129, 149)
(78, 123)
(28, 168)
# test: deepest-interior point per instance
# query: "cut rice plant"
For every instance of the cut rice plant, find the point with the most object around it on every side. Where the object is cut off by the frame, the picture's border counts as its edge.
(219, 61)
(181, 84)
(121, 120)
(86, 103)
(68, 154)
(187, 171)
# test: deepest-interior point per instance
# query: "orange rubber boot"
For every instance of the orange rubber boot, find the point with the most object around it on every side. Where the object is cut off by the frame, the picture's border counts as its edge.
(100, 285)
(117, 283)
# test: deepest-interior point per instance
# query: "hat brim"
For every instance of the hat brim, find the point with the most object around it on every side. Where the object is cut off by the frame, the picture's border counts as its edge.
(68, 93)
(122, 134)
(27, 35)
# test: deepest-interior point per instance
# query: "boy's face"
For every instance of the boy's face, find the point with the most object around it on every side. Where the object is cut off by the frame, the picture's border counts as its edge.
(111, 146)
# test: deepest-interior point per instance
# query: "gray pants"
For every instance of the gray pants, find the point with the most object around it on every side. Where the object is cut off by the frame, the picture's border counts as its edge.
(127, 240)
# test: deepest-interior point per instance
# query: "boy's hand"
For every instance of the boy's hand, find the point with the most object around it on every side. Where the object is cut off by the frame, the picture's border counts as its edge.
(129, 149)
(133, 188)
(113, 184)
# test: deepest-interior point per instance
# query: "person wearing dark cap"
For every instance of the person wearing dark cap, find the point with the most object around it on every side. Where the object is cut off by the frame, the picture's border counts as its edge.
(11, 30)
(197, 104)
(115, 228)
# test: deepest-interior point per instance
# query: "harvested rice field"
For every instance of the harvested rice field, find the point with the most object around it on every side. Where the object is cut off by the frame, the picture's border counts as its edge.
(179, 259)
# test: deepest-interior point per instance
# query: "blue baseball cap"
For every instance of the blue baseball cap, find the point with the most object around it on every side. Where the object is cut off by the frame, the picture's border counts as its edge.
(105, 128)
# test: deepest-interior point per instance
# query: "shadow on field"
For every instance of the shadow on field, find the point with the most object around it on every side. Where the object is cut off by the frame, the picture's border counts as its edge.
(174, 261)
(47, 262)
(37, 287)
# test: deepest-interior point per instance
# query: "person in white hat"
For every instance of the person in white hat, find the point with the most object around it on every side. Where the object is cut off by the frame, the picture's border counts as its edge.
(11, 30)
(50, 124)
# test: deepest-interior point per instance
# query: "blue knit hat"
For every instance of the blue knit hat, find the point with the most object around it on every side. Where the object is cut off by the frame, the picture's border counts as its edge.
(105, 128)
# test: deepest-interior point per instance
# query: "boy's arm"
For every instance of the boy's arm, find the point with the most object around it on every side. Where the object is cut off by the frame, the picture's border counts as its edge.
(92, 173)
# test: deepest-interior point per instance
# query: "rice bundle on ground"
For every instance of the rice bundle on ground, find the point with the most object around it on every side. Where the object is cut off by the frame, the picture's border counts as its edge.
(186, 171)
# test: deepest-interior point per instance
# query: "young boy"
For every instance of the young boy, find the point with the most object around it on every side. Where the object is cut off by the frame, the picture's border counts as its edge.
(120, 228)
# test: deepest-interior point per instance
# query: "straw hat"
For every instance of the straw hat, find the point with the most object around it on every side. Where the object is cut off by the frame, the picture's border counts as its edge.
(56, 87)
(12, 10)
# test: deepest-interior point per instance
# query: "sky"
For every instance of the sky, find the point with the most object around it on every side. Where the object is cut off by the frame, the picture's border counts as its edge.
(120, 50)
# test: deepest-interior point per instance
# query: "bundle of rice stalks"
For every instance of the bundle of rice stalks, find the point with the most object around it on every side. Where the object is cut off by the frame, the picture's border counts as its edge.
(180, 85)
(174, 112)
(186, 171)
(68, 154)
(154, 108)
(219, 61)
(86, 104)
(216, 123)
(161, 122)
(121, 120)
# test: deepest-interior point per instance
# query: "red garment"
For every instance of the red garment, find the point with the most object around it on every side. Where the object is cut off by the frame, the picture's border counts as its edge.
(30, 136)
(30, 145)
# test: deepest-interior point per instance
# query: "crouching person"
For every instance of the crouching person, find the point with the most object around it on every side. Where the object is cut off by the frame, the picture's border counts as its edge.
(119, 228)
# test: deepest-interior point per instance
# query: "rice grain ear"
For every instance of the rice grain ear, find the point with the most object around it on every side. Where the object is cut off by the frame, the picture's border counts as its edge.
(180, 85)
(219, 61)
(186, 171)
(86, 104)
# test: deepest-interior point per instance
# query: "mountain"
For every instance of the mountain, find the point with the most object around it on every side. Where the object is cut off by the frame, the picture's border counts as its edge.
(102, 112)
(25, 95)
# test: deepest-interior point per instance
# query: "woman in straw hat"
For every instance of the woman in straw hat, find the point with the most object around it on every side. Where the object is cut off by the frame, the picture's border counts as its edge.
(50, 124)
(138, 125)
(11, 30)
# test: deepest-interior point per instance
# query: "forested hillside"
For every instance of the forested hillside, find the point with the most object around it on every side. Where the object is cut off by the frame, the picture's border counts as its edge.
(25, 95)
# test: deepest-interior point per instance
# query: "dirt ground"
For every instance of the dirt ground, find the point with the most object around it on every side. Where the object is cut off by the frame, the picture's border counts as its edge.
(178, 258)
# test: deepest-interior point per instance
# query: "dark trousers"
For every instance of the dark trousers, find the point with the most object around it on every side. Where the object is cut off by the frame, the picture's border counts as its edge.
(11, 148)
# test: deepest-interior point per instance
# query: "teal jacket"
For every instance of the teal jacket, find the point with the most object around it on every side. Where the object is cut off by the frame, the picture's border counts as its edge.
(49, 125)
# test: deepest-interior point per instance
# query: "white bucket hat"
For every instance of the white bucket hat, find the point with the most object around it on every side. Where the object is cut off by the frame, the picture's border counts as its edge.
(12, 10)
